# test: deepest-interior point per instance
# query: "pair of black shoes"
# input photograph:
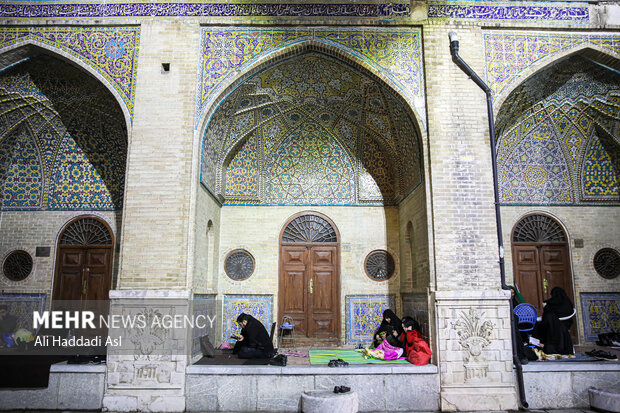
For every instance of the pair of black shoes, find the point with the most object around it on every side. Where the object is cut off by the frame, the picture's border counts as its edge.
(601, 355)
(279, 360)
(337, 363)
(608, 340)
(341, 389)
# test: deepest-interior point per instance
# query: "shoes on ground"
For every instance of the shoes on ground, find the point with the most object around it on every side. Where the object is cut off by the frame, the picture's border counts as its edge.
(601, 355)
(279, 360)
(341, 389)
(337, 363)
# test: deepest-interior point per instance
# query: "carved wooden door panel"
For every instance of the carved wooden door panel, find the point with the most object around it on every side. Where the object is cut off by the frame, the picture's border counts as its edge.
(98, 273)
(527, 274)
(68, 282)
(323, 294)
(293, 282)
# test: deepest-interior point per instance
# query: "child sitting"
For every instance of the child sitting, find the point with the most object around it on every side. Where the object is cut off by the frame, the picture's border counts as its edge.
(417, 350)
(389, 347)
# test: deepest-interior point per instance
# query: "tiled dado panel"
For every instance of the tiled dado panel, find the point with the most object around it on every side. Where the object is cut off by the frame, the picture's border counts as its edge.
(364, 314)
(600, 314)
(258, 306)
(22, 306)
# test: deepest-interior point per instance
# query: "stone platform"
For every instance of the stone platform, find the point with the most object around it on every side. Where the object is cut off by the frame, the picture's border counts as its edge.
(71, 387)
(570, 382)
(269, 388)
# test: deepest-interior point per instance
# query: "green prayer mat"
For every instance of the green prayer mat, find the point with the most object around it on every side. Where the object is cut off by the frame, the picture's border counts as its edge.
(350, 356)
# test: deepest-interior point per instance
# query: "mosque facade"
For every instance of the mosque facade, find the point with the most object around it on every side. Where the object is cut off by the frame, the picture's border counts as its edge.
(322, 160)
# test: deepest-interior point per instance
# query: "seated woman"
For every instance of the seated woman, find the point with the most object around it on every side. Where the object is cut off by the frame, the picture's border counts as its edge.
(553, 333)
(417, 350)
(389, 320)
(253, 341)
(388, 349)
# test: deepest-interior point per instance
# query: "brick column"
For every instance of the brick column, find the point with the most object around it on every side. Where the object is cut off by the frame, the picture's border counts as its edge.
(156, 233)
(472, 312)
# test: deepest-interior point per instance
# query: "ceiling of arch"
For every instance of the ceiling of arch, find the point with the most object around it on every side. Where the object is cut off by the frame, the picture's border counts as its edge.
(560, 137)
(311, 130)
(63, 139)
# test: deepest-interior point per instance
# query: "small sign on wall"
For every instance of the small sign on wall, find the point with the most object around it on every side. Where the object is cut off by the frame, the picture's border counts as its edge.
(43, 252)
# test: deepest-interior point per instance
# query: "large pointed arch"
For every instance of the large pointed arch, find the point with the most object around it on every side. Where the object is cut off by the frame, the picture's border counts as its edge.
(403, 134)
(296, 48)
(590, 51)
(25, 49)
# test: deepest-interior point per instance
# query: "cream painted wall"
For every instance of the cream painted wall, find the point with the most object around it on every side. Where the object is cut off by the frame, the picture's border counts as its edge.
(257, 229)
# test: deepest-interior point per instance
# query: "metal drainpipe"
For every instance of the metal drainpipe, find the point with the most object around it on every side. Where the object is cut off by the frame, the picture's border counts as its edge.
(454, 51)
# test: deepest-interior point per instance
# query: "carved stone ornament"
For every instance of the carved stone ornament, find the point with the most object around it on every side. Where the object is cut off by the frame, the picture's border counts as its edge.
(473, 333)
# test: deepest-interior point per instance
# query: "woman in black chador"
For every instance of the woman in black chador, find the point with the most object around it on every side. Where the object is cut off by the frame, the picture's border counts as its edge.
(253, 341)
(553, 333)
(389, 320)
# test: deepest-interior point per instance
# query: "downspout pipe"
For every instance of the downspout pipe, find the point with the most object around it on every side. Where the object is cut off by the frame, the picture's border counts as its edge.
(454, 51)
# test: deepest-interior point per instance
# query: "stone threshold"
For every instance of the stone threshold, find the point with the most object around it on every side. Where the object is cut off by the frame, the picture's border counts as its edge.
(545, 366)
(356, 369)
(63, 367)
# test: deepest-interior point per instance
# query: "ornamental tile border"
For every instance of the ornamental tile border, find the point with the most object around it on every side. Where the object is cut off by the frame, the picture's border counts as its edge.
(258, 306)
(36, 10)
(600, 313)
(395, 54)
(110, 51)
(361, 324)
(510, 54)
(445, 10)
(22, 305)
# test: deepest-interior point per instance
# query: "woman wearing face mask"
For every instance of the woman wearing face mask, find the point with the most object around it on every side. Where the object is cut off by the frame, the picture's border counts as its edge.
(553, 333)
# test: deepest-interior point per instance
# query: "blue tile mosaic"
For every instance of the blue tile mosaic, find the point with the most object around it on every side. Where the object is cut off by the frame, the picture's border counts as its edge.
(363, 315)
(600, 313)
(22, 306)
(258, 306)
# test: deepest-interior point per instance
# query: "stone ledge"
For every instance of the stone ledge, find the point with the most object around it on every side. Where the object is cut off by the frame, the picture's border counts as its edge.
(311, 370)
(486, 295)
(138, 294)
(569, 366)
(63, 367)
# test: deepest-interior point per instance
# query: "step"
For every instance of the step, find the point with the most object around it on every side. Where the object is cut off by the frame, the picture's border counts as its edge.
(321, 401)
(605, 399)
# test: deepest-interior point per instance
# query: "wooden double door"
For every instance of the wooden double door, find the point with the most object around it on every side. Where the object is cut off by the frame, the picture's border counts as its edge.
(309, 289)
(83, 273)
(538, 269)
(84, 261)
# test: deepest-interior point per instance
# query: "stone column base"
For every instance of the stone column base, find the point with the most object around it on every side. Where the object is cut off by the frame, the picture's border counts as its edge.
(147, 373)
(475, 350)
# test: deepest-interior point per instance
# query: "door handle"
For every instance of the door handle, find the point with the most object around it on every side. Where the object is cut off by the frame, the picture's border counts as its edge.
(545, 284)
(311, 285)
(85, 282)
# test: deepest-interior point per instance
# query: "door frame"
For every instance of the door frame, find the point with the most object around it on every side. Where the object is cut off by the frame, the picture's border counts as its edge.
(569, 264)
(337, 315)
(59, 248)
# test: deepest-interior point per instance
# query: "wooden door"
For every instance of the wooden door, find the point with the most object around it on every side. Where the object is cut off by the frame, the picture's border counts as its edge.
(294, 284)
(541, 261)
(68, 280)
(309, 286)
(83, 274)
(84, 261)
(323, 294)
